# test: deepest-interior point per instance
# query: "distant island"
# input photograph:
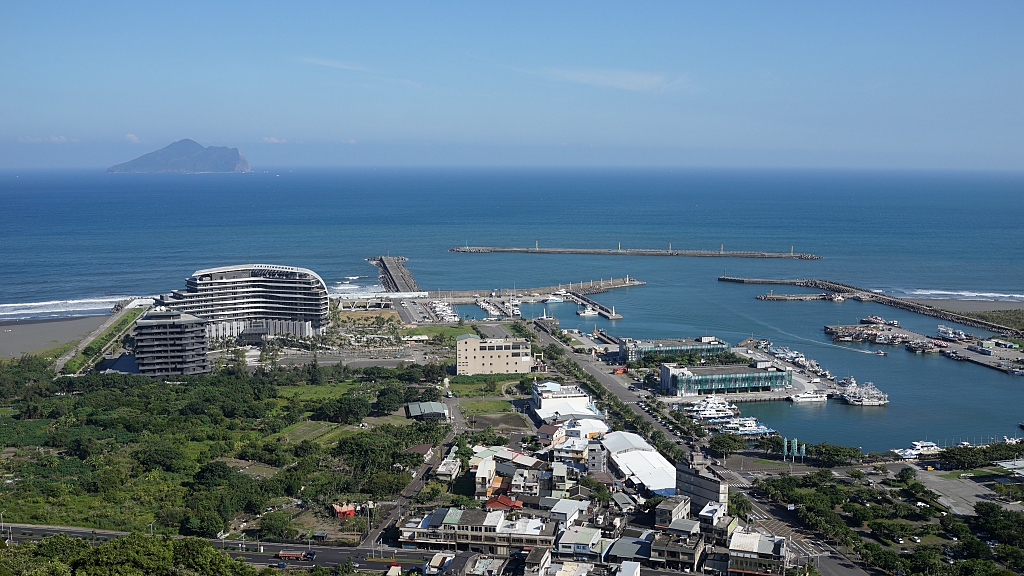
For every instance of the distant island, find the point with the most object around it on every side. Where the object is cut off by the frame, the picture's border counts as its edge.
(186, 157)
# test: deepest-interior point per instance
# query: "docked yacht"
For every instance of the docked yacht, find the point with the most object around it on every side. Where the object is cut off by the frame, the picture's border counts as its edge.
(588, 311)
(553, 300)
(811, 396)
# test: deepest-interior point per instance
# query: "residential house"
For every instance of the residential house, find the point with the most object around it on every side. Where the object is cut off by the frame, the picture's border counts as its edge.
(580, 542)
(568, 511)
(671, 509)
(716, 524)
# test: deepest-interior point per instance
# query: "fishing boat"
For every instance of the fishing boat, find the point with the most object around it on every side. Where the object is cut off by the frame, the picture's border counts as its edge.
(588, 311)
(881, 353)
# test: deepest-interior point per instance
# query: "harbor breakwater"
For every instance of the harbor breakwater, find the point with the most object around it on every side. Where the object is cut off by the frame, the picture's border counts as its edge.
(849, 291)
(721, 253)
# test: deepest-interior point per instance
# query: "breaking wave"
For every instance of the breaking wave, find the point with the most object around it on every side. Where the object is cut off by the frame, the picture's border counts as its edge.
(964, 295)
(58, 308)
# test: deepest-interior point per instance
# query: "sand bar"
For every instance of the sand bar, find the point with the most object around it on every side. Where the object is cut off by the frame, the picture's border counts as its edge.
(19, 337)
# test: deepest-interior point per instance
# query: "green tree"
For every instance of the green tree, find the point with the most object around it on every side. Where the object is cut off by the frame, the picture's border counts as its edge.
(278, 525)
(906, 474)
(725, 444)
(857, 474)
(740, 505)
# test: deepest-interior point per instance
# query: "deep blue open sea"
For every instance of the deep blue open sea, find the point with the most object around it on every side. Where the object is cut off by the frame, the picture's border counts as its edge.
(72, 242)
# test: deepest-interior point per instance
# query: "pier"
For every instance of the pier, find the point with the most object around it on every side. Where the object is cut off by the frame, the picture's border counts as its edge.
(602, 310)
(394, 276)
(720, 253)
(792, 297)
(848, 291)
(584, 288)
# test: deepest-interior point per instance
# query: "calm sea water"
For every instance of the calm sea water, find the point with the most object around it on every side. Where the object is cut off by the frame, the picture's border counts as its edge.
(70, 242)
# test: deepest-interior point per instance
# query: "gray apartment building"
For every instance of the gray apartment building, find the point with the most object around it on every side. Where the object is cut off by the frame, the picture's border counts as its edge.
(170, 343)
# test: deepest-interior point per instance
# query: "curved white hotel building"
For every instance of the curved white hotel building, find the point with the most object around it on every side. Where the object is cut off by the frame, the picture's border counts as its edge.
(261, 298)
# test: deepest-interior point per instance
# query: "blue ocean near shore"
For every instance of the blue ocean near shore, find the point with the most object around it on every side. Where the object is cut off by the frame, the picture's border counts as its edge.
(78, 236)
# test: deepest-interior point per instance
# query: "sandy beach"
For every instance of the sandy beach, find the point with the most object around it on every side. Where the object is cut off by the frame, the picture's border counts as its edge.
(970, 305)
(25, 336)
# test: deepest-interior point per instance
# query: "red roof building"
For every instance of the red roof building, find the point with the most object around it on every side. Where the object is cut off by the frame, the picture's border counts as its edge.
(502, 502)
(343, 510)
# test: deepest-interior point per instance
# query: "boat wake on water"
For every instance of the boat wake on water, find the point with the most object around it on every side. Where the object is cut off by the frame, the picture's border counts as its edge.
(791, 335)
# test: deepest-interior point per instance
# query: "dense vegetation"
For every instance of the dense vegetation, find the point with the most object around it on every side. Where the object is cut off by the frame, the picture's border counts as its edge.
(1009, 318)
(118, 451)
(837, 509)
(129, 556)
(968, 457)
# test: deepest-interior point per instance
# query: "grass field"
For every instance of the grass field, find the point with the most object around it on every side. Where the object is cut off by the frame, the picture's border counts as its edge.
(447, 331)
(477, 407)
(360, 314)
(308, 430)
(975, 473)
(476, 389)
(316, 392)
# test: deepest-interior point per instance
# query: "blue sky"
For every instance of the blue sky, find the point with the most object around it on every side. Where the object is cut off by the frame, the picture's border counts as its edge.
(816, 84)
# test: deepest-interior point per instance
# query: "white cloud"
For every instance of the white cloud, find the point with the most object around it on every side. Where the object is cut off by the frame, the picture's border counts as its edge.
(272, 140)
(334, 64)
(620, 79)
(132, 138)
(358, 68)
(47, 140)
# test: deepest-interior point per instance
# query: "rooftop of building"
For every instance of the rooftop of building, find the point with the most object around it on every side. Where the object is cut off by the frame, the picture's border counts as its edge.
(673, 342)
(757, 543)
(255, 270)
(580, 535)
(161, 316)
(573, 444)
(713, 509)
(617, 442)
(672, 502)
(723, 369)
(632, 546)
(685, 525)
(424, 408)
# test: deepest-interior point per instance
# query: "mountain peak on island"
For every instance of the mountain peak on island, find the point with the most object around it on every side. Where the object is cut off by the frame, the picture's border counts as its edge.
(186, 157)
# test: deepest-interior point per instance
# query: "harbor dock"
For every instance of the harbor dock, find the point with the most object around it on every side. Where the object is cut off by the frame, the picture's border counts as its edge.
(1004, 360)
(399, 282)
(853, 292)
(602, 310)
(585, 288)
(720, 253)
(394, 276)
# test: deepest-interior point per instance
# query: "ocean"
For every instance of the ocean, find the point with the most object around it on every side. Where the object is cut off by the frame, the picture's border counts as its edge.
(73, 242)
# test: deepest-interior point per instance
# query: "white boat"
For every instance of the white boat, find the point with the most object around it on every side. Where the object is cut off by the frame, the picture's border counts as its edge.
(812, 396)
(553, 300)
(588, 311)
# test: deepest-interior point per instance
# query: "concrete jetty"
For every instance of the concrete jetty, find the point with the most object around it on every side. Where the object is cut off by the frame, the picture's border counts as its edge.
(792, 297)
(720, 253)
(394, 276)
(602, 310)
(848, 291)
(584, 288)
